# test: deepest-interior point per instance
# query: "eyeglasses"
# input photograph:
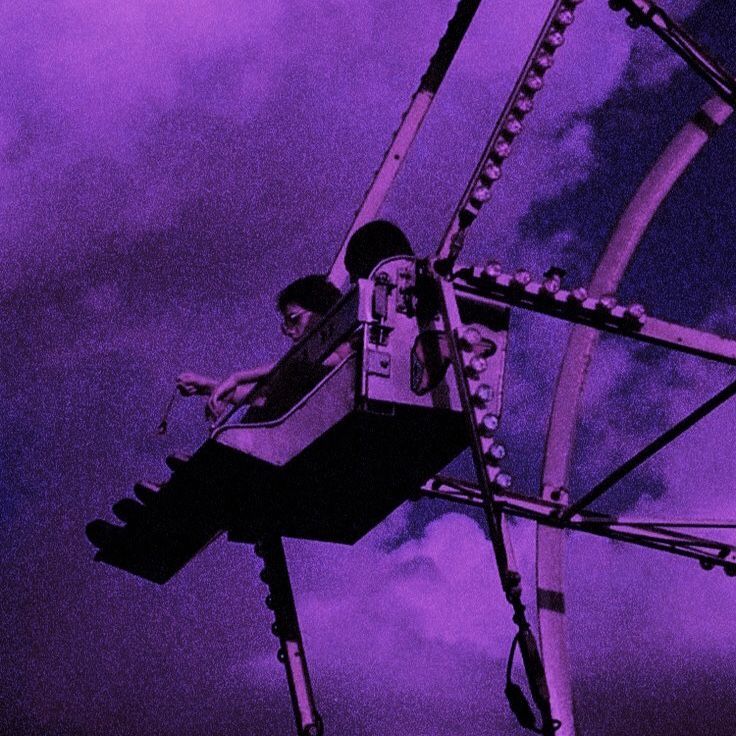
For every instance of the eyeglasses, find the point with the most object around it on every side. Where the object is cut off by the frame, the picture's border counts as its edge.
(292, 319)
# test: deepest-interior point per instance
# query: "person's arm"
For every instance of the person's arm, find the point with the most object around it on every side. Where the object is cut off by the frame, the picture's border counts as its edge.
(194, 384)
(234, 388)
(251, 375)
(339, 354)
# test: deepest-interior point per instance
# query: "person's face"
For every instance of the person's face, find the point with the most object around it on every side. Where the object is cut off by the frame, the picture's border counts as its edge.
(296, 321)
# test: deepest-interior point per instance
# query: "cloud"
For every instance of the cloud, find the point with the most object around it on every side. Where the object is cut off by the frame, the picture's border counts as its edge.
(119, 119)
(425, 592)
(653, 63)
(165, 168)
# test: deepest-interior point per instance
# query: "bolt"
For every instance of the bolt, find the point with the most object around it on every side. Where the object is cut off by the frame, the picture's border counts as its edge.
(492, 171)
(476, 366)
(608, 302)
(564, 18)
(552, 284)
(481, 193)
(496, 452)
(636, 312)
(483, 394)
(503, 480)
(580, 294)
(533, 82)
(469, 338)
(502, 149)
(543, 61)
(554, 39)
(488, 424)
(524, 104)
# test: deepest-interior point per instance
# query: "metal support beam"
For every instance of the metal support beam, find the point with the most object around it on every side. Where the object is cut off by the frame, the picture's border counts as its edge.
(406, 133)
(286, 627)
(507, 127)
(479, 360)
(654, 534)
(645, 13)
(604, 314)
(651, 449)
(669, 523)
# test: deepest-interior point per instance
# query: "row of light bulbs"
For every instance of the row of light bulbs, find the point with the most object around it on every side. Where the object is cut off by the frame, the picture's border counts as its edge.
(520, 106)
(481, 393)
(551, 285)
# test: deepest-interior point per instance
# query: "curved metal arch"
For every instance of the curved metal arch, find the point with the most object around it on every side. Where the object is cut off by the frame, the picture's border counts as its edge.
(632, 225)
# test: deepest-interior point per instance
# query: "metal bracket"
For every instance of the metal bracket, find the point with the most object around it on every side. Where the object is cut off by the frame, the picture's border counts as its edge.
(378, 363)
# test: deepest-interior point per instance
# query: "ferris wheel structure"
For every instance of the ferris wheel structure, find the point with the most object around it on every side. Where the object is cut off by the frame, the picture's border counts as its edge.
(426, 383)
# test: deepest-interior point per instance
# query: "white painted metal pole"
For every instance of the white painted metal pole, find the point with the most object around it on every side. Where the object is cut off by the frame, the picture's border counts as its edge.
(407, 131)
(570, 384)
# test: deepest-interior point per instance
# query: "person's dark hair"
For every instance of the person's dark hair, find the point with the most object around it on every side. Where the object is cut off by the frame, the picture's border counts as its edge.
(313, 292)
(373, 243)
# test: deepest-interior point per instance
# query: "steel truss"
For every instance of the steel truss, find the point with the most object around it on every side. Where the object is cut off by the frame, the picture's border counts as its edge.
(479, 361)
(600, 312)
(653, 533)
(490, 285)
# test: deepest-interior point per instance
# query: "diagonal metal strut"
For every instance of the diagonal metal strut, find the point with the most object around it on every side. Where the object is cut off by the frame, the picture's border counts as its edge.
(644, 12)
(651, 449)
(469, 367)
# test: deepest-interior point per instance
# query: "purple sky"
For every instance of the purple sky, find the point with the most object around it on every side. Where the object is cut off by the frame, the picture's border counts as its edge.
(165, 168)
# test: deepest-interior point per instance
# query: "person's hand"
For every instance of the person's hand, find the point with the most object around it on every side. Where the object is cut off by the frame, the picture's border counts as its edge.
(193, 384)
(221, 396)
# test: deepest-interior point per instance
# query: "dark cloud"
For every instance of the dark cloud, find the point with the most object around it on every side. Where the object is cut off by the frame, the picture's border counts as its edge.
(164, 170)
